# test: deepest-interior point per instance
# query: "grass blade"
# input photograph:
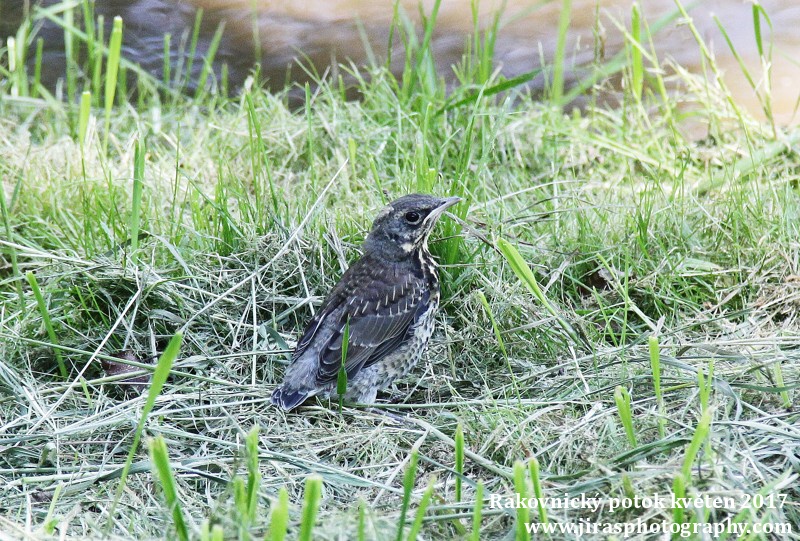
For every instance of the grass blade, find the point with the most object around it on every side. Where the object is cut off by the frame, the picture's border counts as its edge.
(136, 199)
(679, 490)
(525, 274)
(523, 514)
(459, 465)
(408, 486)
(476, 513)
(501, 344)
(637, 65)
(161, 467)
(701, 432)
(160, 375)
(208, 62)
(420, 515)
(279, 518)
(49, 523)
(313, 493)
(70, 53)
(655, 366)
(495, 329)
(83, 118)
(623, 401)
(48, 324)
(253, 474)
(362, 521)
(112, 69)
(777, 372)
(533, 466)
(561, 45)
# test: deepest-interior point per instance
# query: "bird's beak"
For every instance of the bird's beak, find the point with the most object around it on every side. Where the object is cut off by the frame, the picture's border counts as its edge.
(446, 203)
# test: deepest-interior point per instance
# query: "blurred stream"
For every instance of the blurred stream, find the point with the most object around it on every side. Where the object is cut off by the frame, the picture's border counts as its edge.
(327, 32)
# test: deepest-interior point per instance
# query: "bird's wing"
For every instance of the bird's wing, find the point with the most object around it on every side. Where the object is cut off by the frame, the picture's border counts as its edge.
(380, 307)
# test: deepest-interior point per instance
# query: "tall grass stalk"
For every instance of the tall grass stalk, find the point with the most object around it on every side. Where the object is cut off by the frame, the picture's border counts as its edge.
(701, 433)
(655, 367)
(311, 500)
(679, 490)
(361, 532)
(97, 66)
(249, 504)
(523, 514)
(50, 522)
(561, 51)
(279, 517)
(623, 401)
(525, 274)
(48, 323)
(635, 45)
(191, 54)
(208, 62)
(459, 458)
(160, 374)
(112, 69)
(777, 372)
(409, 478)
(37, 70)
(160, 458)
(17, 51)
(136, 198)
(83, 121)
(416, 526)
(704, 386)
(70, 53)
(476, 513)
(536, 482)
(500, 343)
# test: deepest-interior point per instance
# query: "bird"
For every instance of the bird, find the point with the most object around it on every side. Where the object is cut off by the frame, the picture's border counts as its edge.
(385, 303)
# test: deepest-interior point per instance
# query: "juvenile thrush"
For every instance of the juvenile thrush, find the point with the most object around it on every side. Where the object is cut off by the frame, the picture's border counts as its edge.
(387, 300)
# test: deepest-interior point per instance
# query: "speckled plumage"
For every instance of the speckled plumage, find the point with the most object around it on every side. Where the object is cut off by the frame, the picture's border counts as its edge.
(389, 297)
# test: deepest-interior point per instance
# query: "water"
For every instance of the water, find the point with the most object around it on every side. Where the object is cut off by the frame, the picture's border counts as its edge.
(324, 32)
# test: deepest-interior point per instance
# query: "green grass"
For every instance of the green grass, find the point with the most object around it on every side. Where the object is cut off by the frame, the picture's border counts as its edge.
(160, 458)
(596, 250)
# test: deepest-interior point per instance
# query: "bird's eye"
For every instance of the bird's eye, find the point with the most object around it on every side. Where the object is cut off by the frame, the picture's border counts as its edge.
(412, 217)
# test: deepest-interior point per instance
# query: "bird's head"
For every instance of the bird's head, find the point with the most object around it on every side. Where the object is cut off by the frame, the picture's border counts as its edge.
(403, 226)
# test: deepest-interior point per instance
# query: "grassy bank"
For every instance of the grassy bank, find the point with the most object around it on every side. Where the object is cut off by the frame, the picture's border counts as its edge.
(663, 359)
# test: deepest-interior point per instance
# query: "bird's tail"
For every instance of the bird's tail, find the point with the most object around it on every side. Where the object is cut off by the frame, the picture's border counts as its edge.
(289, 398)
